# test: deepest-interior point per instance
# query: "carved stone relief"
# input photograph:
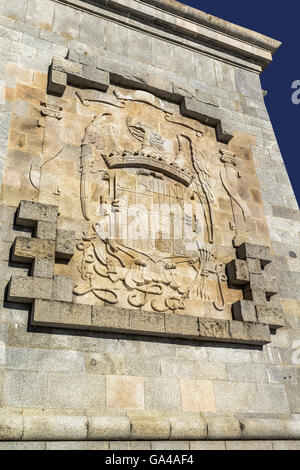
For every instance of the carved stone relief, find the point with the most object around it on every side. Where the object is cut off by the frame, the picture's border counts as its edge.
(51, 294)
(147, 193)
(230, 176)
(158, 207)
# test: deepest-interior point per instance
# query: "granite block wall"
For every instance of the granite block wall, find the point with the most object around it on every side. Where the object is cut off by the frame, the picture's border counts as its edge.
(58, 384)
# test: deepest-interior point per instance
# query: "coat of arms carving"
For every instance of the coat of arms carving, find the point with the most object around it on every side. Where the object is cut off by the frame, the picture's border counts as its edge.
(147, 194)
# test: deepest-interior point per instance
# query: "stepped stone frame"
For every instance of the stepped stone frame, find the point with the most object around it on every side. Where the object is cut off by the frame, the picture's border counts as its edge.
(100, 97)
(52, 295)
(246, 270)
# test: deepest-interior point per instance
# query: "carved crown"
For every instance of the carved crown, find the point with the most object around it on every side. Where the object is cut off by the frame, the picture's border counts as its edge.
(151, 162)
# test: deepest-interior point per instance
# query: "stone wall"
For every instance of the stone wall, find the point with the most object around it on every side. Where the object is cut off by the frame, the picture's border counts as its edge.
(58, 384)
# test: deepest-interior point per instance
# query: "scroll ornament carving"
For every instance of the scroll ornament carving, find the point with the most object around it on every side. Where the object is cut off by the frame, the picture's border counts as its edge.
(148, 278)
(51, 110)
(48, 110)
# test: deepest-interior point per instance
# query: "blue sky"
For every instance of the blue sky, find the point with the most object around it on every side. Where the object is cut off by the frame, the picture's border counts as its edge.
(282, 22)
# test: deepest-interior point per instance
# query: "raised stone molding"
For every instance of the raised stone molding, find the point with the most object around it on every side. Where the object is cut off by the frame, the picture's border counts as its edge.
(52, 295)
(23, 425)
(41, 251)
(259, 286)
(184, 21)
(118, 320)
(207, 114)
(63, 72)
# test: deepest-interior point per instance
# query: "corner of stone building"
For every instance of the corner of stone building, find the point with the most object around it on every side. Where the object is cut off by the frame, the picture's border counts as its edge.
(78, 371)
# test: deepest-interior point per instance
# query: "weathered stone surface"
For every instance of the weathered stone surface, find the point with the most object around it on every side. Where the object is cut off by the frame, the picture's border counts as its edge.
(170, 445)
(110, 318)
(207, 114)
(64, 244)
(46, 230)
(181, 325)
(11, 425)
(64, 71)
(43, 268)
(150, 427)
(237, 397)
(214, 329)
(57, 82)
(220, 426)
(251, 250)
(160, 86)
(76, 445)
(54, 360)
(143, 351)
(259, 428)
(256, 282)
(107, 364)
(293, 426)
(251, 373)
(257, 295)
(21, 445)
(162, 393)
(207, 445)
(272, 398)
(108, 427)
(82, 53)
(27, 289)
(294, 398)
(254, 265)
(66, 66)
(286, 445)
(47, 427)
(90, 77)
(244, 310)
(249, 332)
(270, 283)
(270, 316)
(61, 313)
(238, 273)
(193, 427)
(24, 389)
(249, 445)
(130, 445)
(62, 289)
(124, 393)
(177, 367)
(29, 213)
(147, 322)
(197, 395)
(27, 249)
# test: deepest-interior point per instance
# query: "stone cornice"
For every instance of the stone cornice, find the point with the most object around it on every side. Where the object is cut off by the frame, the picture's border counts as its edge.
(186, 22)
(226, 27)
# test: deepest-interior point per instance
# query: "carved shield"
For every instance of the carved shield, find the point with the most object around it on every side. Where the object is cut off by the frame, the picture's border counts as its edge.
(146, 192)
